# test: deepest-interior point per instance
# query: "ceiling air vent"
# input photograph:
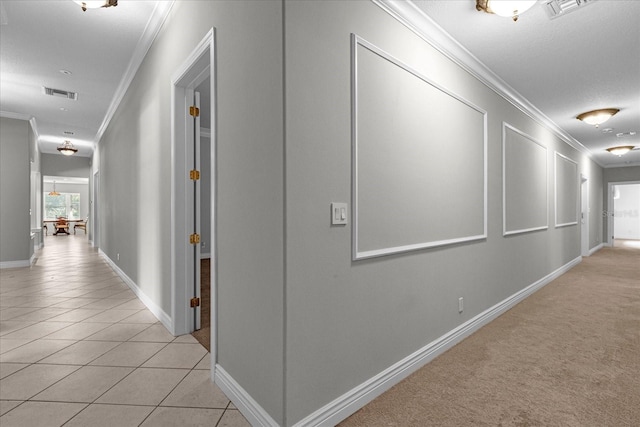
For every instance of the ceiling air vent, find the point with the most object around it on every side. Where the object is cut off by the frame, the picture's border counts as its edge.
(60, 93)
(558, 8)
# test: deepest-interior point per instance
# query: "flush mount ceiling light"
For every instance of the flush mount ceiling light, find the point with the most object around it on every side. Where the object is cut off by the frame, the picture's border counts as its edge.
(597, 117)
(67, 149)
(620, 151)
(508, 8)
(96, 4)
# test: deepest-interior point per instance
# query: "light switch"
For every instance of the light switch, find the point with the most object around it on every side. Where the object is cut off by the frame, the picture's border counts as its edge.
(339, 214)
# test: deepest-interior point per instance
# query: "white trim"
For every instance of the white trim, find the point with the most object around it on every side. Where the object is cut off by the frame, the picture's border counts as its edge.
(205, 255)
(252, 411)
(596, 249)
(16, 264)
(347, 404)
(555, 190)
(356, 253)
(584, 215)
(190, 73)
(506, 125)
(154, 24)
(148, 302)
(407, 13)
(34, 128)
(17, 116)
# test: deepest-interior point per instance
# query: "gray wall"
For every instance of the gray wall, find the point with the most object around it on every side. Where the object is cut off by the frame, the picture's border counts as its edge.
(15, 190)
(135, 182)
(624, 174)
(299, 322)
(60, 165)
(205, 196)
(348, 321)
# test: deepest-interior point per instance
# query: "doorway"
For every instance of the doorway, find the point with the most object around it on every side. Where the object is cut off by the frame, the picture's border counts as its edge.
(624, 213)
(95, 224)
(187, 189)
(584, 216)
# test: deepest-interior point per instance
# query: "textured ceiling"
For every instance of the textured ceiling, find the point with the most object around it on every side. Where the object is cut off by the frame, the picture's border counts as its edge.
(40, 38)
(584, 60)
(588, 59)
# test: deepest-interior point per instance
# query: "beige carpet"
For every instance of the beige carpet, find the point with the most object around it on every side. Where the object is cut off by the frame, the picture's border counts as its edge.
(569, 355)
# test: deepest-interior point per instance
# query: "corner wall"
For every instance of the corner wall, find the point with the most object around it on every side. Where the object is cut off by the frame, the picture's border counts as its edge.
(135, 163)
(16, 246)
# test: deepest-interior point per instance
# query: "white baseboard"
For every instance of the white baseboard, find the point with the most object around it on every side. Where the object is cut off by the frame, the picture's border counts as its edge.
(152, 306)
(347, 404)
(252, 411)
(16, 264)
(596, 249)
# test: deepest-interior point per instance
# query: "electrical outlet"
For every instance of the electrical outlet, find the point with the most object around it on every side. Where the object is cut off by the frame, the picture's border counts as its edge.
(117, 257)
(460, 305)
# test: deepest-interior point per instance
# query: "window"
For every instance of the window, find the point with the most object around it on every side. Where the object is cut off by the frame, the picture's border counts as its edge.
(66, 205)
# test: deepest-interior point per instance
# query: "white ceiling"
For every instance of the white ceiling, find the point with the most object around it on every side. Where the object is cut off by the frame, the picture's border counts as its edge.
(585, 60)
(40, 38)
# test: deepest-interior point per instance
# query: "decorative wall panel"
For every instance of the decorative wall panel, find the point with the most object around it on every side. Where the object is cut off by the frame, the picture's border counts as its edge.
(525, 182)
(419, 159)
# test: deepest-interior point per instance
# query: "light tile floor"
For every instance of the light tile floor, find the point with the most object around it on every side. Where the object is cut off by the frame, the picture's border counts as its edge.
(77, 348)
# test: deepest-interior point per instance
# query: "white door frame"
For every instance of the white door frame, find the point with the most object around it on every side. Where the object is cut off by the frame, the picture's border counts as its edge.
(199, 66)
(584, 209)
(611, 208)
(95, 217)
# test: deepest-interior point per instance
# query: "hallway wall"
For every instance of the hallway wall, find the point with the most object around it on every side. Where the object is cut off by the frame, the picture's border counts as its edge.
(16, 246)
(349, 322)
(301, 324)
(135, 182)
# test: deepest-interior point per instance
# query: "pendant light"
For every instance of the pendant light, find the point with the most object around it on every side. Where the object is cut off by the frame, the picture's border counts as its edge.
(54, 192)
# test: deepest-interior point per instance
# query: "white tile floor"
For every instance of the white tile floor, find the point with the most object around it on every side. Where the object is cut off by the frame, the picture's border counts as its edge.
(77, 348)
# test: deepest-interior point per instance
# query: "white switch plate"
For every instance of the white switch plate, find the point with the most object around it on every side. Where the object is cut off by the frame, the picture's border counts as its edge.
(339, 214)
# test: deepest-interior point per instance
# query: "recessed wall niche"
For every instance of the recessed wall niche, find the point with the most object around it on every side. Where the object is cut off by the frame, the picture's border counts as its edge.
(525, 183)
(419, 159)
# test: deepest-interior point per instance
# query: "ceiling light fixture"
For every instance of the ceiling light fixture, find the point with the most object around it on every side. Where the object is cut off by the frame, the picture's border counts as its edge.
(54, 192)
(597, 117)
(509, 8)
(67, 148)
(620, 151)
(96, 4)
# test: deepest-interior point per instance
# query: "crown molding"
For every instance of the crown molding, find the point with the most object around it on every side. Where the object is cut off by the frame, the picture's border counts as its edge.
(17, 116)
(426, 28)
(159, 15)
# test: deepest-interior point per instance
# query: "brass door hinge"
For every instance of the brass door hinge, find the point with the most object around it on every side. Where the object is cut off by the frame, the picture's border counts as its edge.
(194, 175)
(194, 111)
(195, 302)
(194, 238)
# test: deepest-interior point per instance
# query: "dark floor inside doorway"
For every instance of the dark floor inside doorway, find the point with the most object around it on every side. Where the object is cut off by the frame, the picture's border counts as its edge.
(203, 335)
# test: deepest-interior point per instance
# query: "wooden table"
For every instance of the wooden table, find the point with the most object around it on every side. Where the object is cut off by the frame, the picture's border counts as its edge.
(54, 221)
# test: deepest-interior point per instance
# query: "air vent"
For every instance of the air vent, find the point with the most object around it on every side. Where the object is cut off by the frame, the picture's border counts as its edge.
(558, 8)
(60, 93)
